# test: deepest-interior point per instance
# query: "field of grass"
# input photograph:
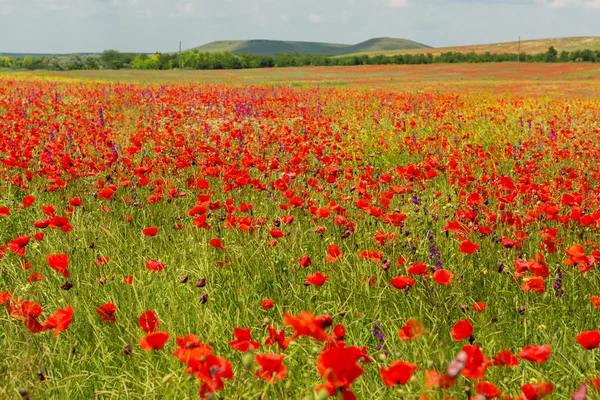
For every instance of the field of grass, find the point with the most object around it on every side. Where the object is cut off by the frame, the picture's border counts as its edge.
(527, 46)
(273, 47)
(415, 232)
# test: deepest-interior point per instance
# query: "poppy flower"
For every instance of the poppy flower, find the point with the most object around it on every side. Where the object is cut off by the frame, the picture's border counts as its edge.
(487, 389)
(154, 341)
(372, 255)
(211, 370)
(317, 279)
(589, 340)
(461, 330)
(333, 253)
(60, 320)
(468, 247)
(4, 211)
(479, 306)
(153, 265)
(533, 283)
(276, 337)
(75, 202)
(36, 276)
(128, 280)
(433, 380)
(538, 354)
(243, 341)
(417, 269)
(595, 301)
(18, 244)
(106, 193)
(402, 282)
(59, 262)
(505, 357)
(304, 262)
(39, 236)
(476, 362)
(30, 312)
(443, 277)
(267, 303)
(216, 243)
(107, 312)
(339, 332)
(148, 321)
(338, 366)
(398, 373)
(102, 260)
(305, 324)
(150, 231)
(28, 201)
(536, 391)
(271, 367)
(190, 348)
(276, 233)
(411, 330)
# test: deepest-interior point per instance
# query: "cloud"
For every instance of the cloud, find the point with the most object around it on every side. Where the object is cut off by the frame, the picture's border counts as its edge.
(398, 3)
(316, 19)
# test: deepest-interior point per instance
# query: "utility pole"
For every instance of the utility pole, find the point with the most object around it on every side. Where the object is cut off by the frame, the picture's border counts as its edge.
(519, 54)
(180, 54)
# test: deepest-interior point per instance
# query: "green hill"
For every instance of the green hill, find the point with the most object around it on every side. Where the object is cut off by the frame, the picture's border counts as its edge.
(273, 47)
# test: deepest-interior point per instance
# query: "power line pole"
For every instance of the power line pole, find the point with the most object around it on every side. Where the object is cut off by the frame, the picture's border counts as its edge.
(180, 54)
(519, 54)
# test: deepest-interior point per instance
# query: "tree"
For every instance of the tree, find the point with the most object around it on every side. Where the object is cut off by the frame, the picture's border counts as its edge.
(551, 55)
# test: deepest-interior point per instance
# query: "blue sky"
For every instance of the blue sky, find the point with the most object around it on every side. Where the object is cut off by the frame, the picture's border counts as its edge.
(63, 26)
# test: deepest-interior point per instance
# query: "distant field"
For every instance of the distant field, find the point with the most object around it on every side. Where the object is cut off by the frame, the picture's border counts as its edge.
(527, 46)
(273, 47)
(539, 79)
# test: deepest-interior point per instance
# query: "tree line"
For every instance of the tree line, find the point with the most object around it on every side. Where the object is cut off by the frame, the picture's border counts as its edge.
(112, 59)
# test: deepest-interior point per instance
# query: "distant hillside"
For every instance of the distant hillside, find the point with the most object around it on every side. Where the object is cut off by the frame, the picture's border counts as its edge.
(273, 47)
(527, 46)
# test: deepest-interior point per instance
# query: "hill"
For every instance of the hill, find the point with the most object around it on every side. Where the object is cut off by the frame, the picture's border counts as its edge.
(527, 46)
(273, 47)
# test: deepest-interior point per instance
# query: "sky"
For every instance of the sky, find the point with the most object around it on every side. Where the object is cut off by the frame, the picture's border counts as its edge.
(69, 26)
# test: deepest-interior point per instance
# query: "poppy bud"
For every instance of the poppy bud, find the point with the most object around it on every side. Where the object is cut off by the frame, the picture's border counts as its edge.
(201, 283)
(204, 298)
(386, 265)
(24, 394)
(92, 245)
(184, 279)
(322, 394)
(521, 310)
(128, 350)
(67, 285)
(40, 375)
(248, 361)
(102, 281)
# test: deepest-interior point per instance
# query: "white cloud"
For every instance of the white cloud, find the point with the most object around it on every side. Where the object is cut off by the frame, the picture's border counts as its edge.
(316, 19)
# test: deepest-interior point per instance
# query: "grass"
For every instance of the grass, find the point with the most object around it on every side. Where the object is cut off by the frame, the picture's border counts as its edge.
(222, 127)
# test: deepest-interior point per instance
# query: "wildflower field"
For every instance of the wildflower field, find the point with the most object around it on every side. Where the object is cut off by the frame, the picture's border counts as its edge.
(228, 240)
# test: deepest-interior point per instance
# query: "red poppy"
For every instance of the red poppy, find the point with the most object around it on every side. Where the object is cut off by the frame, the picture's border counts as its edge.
(243, 341)
(402, 282)
(36, 276)
(59, 262)
(60, 320)
(417, 269)
(271, 367)
(18, 244)
(153, 265)
(128, 280)
(443, 277)
(102, 260)
(148, 321)
(304, 262)
(216, 243)
(107, 312)
(39, 236)
(190, 348)
(267, 303)
(433, 380)
(305, 324)
(479, 306)
(372, 255)
(4, 211)
(487, 389)
(75, 202)
(398, 373)
(317, 279)
(106, 193)
(339, 332)
(154, 341)
(535, 391)
(533, 283)
(150, 231)
(27, 201)
(538, 354)
(211, 370)
(277, 337)
(333, 253)
(589, 340)
(595, 301)
(411, 330)
(505, 357)
(276, 233)
(476, 363)
(338, 366)
(461, 330)
(468, 247)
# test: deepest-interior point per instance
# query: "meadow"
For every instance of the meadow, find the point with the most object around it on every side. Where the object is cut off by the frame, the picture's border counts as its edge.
(415, 232)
